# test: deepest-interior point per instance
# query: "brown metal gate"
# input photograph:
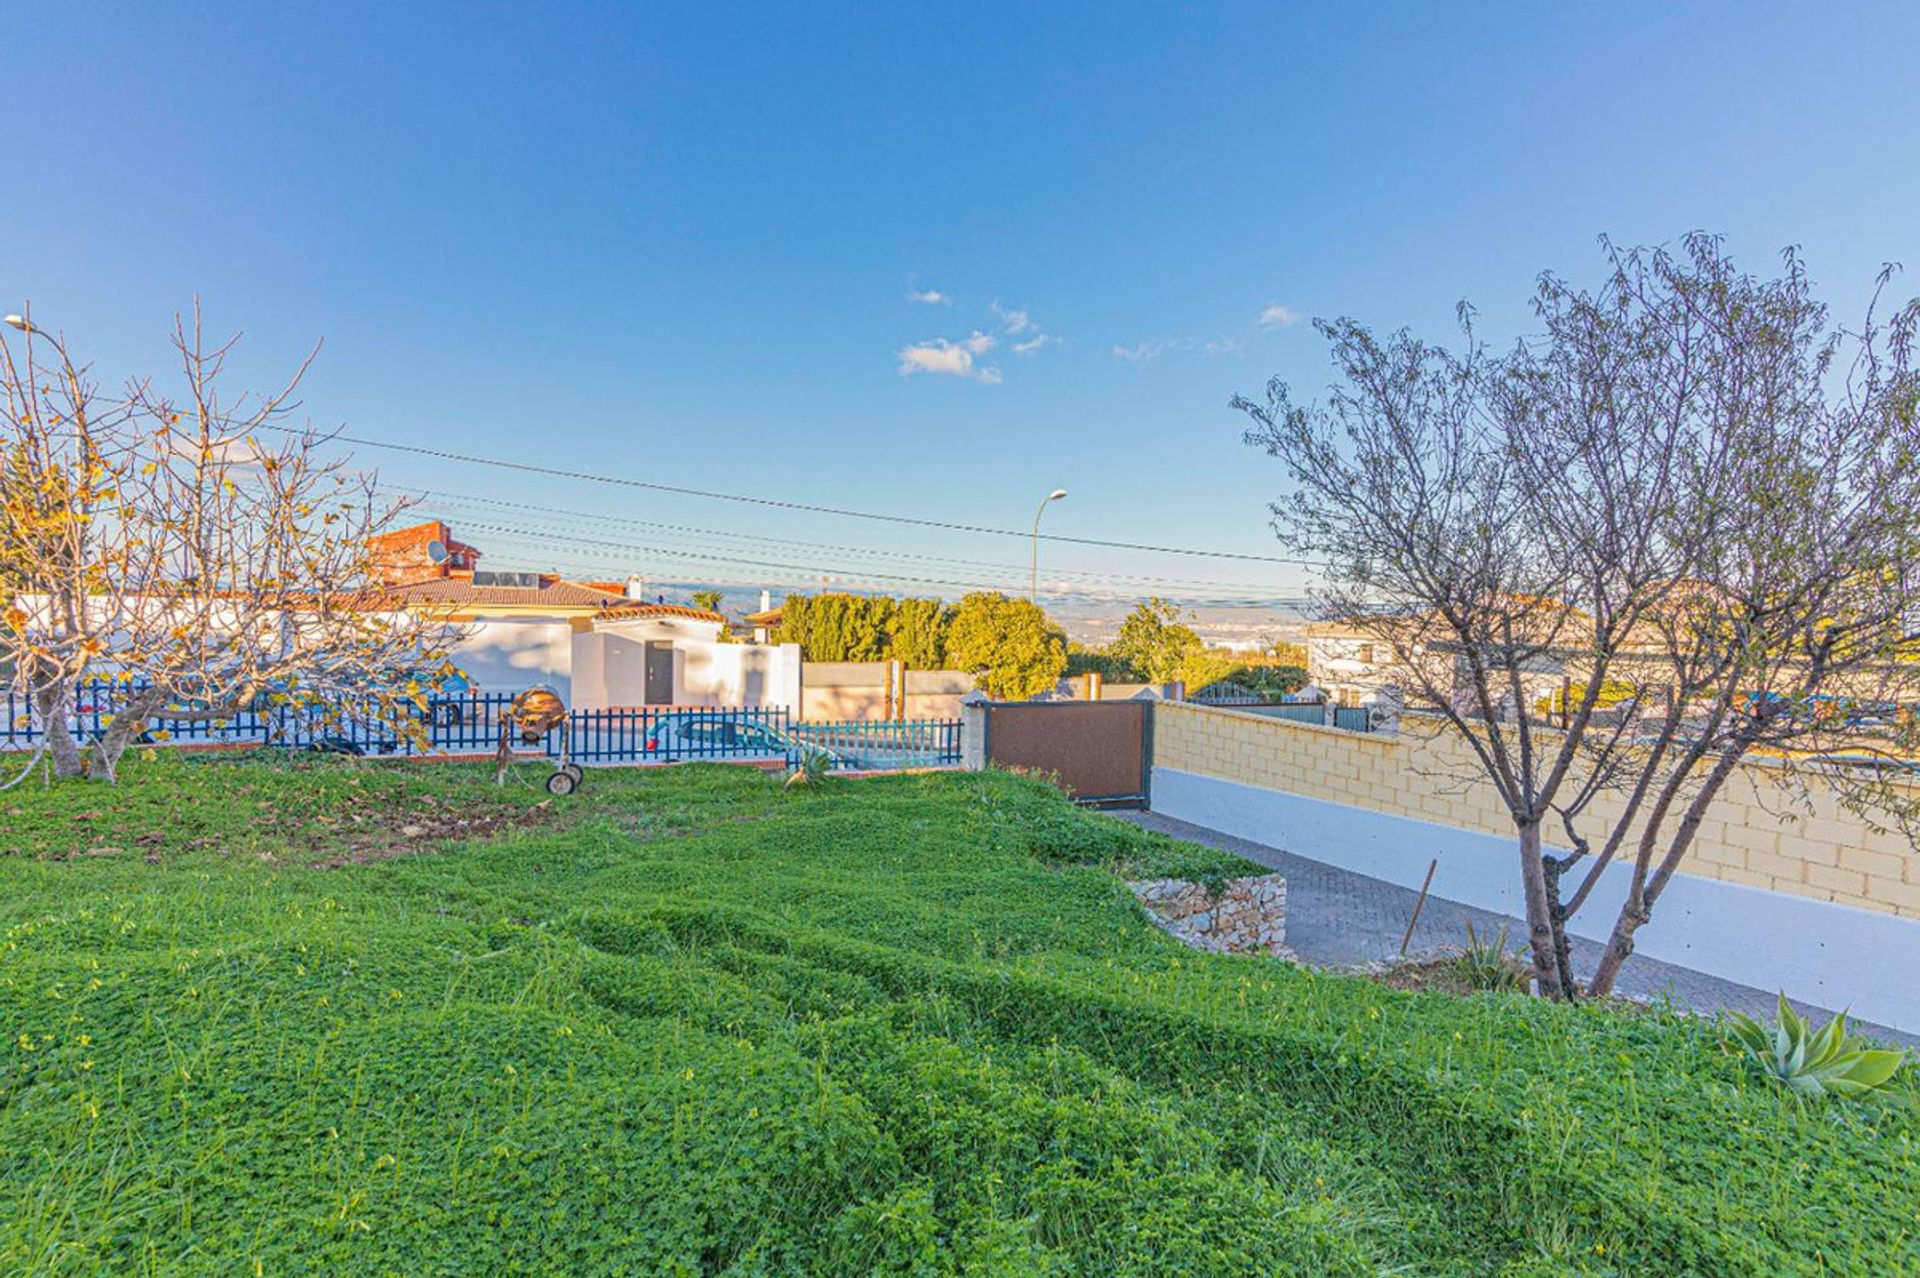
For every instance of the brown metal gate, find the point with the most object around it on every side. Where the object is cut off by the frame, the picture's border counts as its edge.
(1102, 750)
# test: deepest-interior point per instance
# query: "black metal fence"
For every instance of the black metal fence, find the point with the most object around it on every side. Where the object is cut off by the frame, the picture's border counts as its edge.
(1227, 694)
(471, 725)
(1353, 718)
(1346, 718)
(1307, 712)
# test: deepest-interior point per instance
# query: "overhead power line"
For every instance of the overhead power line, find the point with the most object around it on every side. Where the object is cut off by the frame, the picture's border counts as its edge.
(776, 503)
(545, 514)
(626, 552)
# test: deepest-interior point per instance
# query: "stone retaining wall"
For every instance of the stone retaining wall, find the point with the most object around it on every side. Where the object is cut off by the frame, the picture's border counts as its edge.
(1247, 916)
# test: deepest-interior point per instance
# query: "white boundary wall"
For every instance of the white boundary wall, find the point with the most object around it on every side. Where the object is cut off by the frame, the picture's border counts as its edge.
(1831, 955)
(1380, 812)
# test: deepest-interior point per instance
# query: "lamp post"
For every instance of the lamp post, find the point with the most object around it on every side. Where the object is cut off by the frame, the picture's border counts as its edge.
(1033, 587)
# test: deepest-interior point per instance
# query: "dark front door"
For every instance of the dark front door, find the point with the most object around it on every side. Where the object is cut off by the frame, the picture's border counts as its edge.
(1098, 749)
(659, 672)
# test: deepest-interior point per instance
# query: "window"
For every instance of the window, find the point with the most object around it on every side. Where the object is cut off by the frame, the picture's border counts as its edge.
(1366, 653)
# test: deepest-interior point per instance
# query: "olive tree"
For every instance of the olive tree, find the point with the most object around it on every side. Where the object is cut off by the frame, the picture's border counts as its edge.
(1671, 533)
(190, 547)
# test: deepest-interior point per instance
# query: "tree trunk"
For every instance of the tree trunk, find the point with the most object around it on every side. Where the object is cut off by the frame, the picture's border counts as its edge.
(54, 701)
(1557, 913)
(1540, 928)
(1619, 948)
(1638, 907)
(131, 722)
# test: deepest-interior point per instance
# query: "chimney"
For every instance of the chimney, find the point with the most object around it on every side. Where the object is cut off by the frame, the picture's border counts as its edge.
(636, 588)
(766, 601)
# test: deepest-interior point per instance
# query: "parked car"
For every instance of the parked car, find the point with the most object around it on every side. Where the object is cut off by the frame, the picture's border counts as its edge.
(693, 735)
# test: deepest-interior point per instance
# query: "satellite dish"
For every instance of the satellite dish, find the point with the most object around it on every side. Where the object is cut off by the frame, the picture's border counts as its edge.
(437, 551)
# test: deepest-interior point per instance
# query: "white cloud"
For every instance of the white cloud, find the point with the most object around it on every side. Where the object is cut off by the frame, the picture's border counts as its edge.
(1153, 348)
(1278, 316)
(929, 297)
(1014, 321)
(961, 357)
(951, 359)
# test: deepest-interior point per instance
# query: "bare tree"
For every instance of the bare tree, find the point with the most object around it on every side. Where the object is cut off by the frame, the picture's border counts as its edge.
(193, 549)
(1672, 534)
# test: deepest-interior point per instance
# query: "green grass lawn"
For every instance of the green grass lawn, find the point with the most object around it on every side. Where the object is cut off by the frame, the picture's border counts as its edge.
(331, 1017)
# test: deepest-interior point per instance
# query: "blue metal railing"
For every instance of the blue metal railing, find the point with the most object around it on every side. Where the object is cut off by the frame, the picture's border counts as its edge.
(916, 743)
(670, 734)
(470, 724)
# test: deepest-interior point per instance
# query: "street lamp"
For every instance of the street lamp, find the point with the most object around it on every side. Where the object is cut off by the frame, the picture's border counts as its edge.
(1033, 588)
(24, 324)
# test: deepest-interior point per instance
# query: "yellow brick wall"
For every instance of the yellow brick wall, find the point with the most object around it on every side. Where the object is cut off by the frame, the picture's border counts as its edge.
(1756, 832)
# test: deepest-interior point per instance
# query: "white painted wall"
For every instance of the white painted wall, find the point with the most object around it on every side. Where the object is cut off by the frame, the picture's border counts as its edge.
(509, 654)
(1832, 955)
(607, 666)
(738, 674)
(610, 669)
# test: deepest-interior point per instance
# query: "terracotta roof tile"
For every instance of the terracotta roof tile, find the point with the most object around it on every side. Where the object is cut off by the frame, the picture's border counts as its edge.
(631, 610)
(456, 591)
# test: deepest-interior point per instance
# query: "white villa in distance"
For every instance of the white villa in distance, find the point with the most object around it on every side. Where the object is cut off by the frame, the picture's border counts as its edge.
(599, 644)
(1348, 665)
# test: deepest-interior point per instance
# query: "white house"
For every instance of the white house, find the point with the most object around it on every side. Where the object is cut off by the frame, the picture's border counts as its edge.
(1349, 665)
(594, 642)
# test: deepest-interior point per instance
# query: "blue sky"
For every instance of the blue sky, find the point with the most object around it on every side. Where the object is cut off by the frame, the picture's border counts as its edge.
(681, 247)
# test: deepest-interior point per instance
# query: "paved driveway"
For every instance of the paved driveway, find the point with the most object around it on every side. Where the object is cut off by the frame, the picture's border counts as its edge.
(1337, 918)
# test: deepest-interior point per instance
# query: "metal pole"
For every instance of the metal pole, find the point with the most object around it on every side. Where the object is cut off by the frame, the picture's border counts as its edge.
(1033, 585)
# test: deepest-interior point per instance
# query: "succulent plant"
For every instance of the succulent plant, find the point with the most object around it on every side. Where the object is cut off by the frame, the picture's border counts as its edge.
(1810, 1063)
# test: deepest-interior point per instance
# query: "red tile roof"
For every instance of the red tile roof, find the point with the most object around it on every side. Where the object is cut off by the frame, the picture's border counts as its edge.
(628, 610)
(567, 596)
(459, 591)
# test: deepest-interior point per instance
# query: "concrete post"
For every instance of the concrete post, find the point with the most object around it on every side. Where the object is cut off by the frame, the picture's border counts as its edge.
(973, 732)
(1093, 685)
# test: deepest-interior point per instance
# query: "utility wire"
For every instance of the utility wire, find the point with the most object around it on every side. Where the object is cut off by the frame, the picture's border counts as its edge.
(458, 500)
(602, 548)
(778, 504)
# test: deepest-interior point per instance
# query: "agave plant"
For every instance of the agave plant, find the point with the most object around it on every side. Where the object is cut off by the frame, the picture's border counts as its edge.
(812, 766)
(1810, 1063)
(1484, 964)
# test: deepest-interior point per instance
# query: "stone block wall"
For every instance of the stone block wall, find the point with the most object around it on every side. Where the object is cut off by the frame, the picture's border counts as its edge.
(1757, 833)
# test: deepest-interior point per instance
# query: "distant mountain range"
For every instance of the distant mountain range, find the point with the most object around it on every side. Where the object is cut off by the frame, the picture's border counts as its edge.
(1091, 622)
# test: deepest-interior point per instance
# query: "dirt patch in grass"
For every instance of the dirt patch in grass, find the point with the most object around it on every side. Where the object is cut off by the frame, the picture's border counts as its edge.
(1435, 974)
(428, 826)
(1444, 973)
(278, 809)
